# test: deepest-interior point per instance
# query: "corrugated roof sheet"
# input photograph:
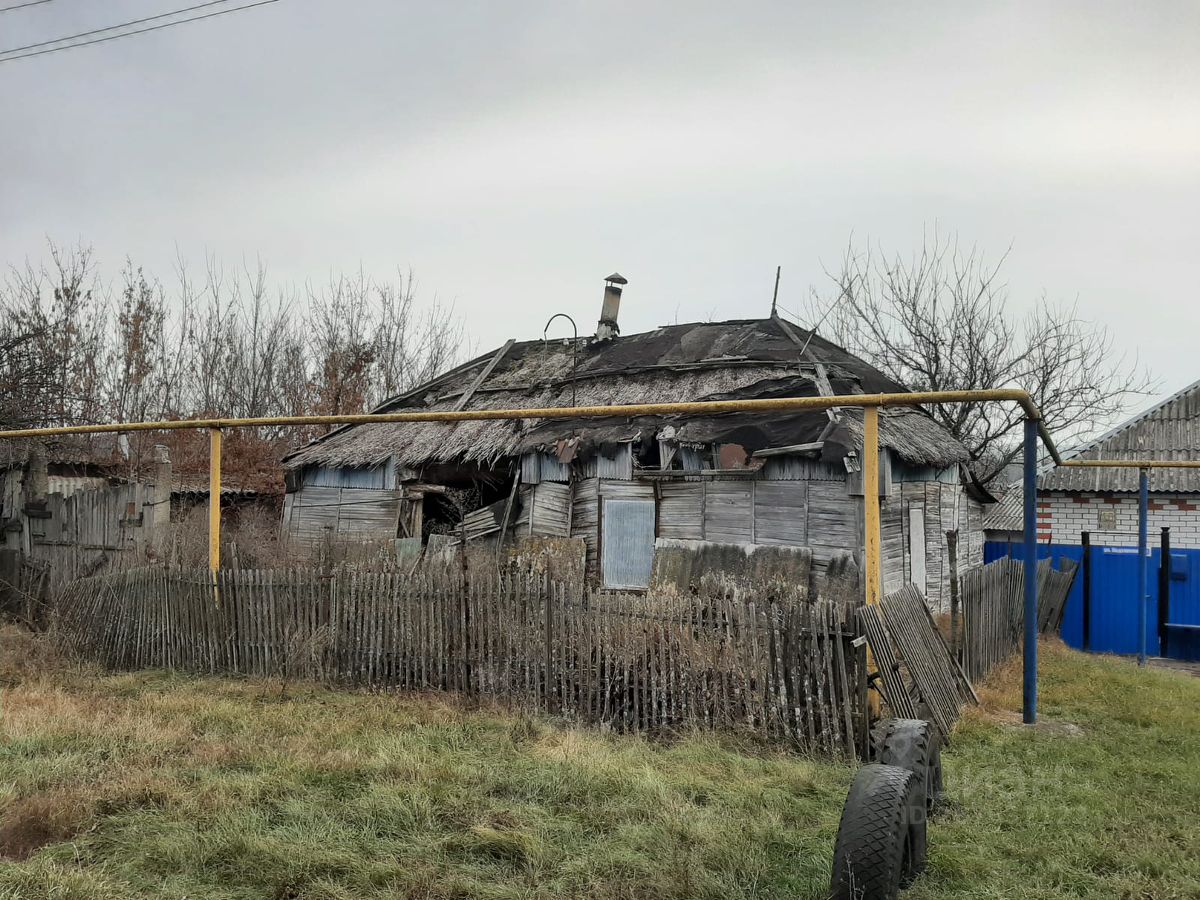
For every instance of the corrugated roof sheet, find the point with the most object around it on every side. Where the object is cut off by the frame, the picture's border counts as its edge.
(1009, 513)
(700, 361)
(1168, 430)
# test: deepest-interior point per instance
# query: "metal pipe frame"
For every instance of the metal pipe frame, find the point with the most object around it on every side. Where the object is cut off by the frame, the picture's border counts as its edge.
(1030, 643)
(1143, 592)
(1034, 430)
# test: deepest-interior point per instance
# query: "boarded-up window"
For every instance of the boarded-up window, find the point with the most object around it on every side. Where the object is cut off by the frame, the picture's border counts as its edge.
(627, 545)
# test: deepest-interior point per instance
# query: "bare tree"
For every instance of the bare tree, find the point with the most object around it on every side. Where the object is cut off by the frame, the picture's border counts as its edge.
(940, 321)
(340, 341)
(61, 313)
(410, 344)
(229, 343)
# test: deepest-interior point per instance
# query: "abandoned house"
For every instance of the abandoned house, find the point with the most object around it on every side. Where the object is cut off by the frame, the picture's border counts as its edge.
(621, 485)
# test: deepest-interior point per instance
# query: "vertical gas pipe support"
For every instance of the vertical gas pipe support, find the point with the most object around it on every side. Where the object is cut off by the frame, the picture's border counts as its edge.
(214, 509)
(871, 534)
(1086, 541)
(1164, 589)
(1143, 593)
(1029, 693)
(870, 476)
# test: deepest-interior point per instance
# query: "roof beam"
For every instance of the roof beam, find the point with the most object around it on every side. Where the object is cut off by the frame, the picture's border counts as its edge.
(833, 412)
(482, 376)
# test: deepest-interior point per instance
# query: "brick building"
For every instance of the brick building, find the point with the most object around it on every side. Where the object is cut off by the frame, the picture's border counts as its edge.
(1104, 502)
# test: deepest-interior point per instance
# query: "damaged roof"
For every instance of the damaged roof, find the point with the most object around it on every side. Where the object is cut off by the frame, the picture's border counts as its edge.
(740, 359)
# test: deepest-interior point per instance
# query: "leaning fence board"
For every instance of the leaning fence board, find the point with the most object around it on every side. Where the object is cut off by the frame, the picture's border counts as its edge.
(992, 598)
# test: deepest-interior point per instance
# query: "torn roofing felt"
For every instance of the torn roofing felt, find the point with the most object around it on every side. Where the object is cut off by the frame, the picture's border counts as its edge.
(741, 359)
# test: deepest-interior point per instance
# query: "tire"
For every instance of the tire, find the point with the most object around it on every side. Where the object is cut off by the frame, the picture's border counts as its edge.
(937, 786)
(913, 744)
(872, 856)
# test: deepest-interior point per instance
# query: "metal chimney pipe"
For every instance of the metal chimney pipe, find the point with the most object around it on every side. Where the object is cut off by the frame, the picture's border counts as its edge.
(608, 328)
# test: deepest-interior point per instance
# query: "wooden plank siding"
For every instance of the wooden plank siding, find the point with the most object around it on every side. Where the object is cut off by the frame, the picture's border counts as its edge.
(681, 510)
(316, 513)
(781, 512)
(729, 512)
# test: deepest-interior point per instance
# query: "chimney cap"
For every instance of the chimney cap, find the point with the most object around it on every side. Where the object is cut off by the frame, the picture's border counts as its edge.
(617, 278)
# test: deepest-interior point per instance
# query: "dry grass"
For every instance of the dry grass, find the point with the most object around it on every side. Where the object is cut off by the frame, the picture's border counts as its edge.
(157, 785)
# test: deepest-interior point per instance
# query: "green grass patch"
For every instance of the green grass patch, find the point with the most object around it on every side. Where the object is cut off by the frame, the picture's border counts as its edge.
(159, 785)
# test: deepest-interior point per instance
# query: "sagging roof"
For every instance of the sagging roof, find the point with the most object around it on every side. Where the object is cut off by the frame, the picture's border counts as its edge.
(1167, 430)
(744, 358)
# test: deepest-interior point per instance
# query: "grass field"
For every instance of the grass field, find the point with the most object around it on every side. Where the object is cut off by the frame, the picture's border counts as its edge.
(158, 785)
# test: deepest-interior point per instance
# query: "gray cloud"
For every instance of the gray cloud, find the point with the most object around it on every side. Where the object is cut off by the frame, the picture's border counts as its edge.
(514, 154)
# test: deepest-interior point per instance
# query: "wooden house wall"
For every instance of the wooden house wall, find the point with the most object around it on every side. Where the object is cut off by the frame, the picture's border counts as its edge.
(585, 519)
(791, 501)
(681, 510)
(816, 514)
(545, 510)
(944, 507)
(316, 513)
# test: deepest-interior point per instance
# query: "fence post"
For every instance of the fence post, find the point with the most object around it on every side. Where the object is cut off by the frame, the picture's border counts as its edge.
(952, 559)
(1085, 538)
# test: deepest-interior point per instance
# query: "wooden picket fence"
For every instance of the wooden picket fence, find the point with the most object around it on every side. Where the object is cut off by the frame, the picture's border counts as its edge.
(993, 601)
(791, 672)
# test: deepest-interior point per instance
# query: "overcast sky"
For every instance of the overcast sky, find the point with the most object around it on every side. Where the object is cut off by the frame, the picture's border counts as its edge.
(513, 154)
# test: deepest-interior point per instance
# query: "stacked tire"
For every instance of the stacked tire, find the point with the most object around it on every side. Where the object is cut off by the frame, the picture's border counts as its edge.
(881, 841)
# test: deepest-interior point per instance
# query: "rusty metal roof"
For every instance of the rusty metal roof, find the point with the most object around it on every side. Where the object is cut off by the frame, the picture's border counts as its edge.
(1167, 430)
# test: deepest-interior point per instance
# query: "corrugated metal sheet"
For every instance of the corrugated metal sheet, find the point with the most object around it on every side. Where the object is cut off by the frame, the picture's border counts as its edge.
(628, 546)
(693, 459)
(902, 472)
(1169, 430)
(377, 478)
(618, 466)
(1009, 513)
(539, 467)
(66, 485)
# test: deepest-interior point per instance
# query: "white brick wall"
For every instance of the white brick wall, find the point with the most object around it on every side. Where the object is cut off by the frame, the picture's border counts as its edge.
(1061, 518)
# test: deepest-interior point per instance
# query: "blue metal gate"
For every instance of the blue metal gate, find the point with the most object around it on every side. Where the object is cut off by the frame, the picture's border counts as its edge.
(1114, 612)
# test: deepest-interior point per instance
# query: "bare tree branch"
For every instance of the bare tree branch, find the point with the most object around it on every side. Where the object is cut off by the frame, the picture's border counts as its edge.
(940, 321)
